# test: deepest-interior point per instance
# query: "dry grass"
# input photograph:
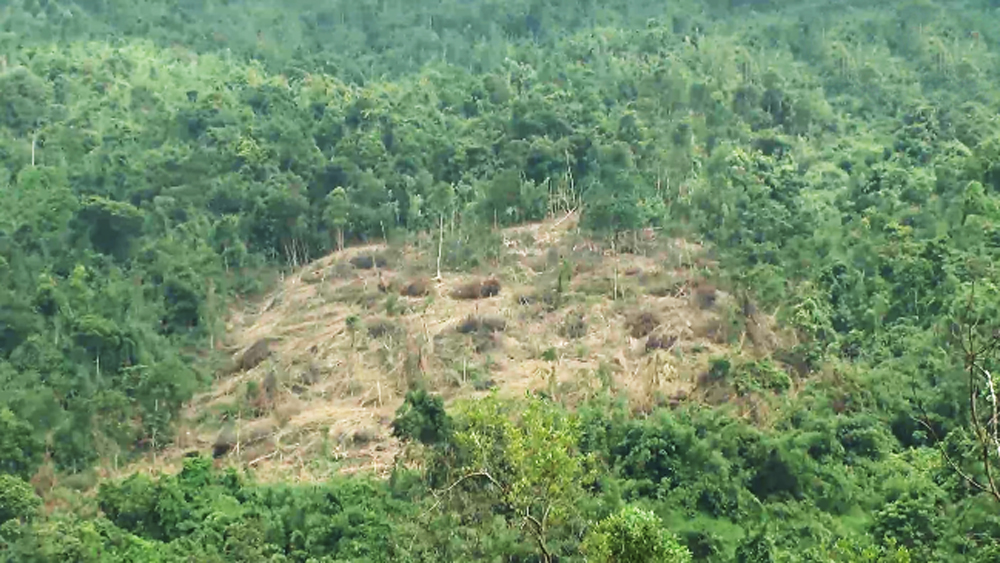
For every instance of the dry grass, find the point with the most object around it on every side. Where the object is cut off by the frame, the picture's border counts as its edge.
(345, 354)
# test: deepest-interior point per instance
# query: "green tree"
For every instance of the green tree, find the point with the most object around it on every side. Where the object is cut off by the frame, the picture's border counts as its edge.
(442, 201)
(337, 213)
(18, 500)
(20, 449)
(616, 199)
(633, 535)
(529, 464)
(25, 99)
(758, 548)
(848, 551)
(422, 417)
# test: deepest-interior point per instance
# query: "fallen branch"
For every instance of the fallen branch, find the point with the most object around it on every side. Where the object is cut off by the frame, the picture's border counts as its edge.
(263, 457)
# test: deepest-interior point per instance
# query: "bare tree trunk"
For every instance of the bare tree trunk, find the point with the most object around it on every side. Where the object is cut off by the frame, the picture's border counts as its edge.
(614, 250)
(440, 244)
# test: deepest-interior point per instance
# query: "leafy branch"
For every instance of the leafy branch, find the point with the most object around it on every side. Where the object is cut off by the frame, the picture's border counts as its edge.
(979, 346)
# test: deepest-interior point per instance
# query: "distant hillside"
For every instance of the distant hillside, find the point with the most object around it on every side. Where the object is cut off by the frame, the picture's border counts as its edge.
(344, 344)
(533, 281)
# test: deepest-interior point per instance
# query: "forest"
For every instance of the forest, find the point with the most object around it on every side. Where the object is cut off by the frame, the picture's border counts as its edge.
(164, 160)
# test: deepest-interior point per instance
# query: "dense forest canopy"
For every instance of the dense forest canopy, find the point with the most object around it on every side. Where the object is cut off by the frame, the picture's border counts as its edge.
(161, 159)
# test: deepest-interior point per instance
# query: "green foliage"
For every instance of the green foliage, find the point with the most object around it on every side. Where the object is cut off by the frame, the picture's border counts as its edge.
(530, 464)
(159, 159)
(758, 548)
(759, 376)
(337, 212)
(220, 513)
(17, 499)
(422, 417)
(20, 449)
(24, 97)
(633, 535)
(851, 552)
(550, 355)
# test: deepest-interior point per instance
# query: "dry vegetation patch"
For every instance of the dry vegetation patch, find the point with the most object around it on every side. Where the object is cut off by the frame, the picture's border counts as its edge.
(477, 289)
(343, 351)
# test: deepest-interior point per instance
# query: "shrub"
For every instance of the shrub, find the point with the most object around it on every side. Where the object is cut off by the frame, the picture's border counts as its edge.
(634, 535)
(368, 261)
(415, 288)
(760, 375)
(574, 326)
(913, 519)
(20, 449)
(643, 324)
(758, 548)
(381, 328)
(18, 500)
(422, 417)
(478, 289)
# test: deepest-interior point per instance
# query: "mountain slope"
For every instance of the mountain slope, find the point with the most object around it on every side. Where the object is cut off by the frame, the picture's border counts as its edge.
(321, 364)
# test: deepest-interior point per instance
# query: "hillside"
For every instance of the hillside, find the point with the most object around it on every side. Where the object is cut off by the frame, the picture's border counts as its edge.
(326, 389)
(530, 281)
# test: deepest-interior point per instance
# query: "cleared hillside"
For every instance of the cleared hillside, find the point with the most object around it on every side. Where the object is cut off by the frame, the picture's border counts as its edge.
(320, 365)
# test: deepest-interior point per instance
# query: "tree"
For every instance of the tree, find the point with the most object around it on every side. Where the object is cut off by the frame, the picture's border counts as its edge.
(18, 500)
(847, 551)
(112, 226)
(422, 417)
(978, 342)
(529, 464)
(20, 450)
(25, 99)
(633, 535)
(336, 213)
(758, 548)
(442, 200)
(615, 199)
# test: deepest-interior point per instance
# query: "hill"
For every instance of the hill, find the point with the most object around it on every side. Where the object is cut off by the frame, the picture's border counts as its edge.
(324, 361)
(706, 280)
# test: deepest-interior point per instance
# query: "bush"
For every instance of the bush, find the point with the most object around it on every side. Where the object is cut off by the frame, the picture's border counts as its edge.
(642, 324)
(415, 288)
(422, 417)
(759, 376)
(478, 289)
(18, 500)
(483, 324)
(369, 261)
(573, 326)
(20, 450)
(634, 535)
(912, 519)
(758, 548)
